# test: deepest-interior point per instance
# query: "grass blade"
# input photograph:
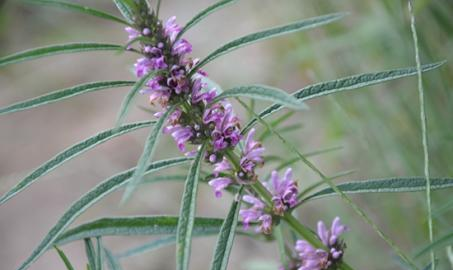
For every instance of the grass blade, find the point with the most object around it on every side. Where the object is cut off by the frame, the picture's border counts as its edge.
(89, 199)
(112, 262)
(79, 8)
(344, 84)
(264, 93)
(130, 96)
(187, 213)
(266, 34)
(136, 226)
(64, 258)
(147, 154)
(62, 94)
(226, 236)
(386, 185)
(203, 14)
(99, 254)
(125, 10)
(443, 241)
(91, 255)
(69, 154)
(57, 49)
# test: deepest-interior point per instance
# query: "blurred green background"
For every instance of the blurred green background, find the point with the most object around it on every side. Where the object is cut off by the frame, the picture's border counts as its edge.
(377, 127)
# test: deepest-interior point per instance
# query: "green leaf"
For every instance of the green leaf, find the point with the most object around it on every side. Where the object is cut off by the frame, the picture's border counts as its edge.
(62, 94)
(70, 153)
(155, 244)
(443, 241)
(125, 9)
(226, 236)
(147, 154)
(409, 184)
(112, 262)
(130, 96)
(136, 226)
(266, 34)
(264, 93)
(91, 255)
(57, 49)
(64, 258)
(187, 213)
(203, 14)
(344, 84)
(79, 8)
(90, 198)
(99, 254)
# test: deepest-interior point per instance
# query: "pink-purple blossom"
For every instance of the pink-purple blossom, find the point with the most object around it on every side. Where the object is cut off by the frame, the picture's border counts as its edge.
(284, 191)
(172, 29)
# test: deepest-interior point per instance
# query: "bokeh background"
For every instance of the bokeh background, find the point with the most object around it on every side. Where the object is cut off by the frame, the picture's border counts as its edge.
(377, 127)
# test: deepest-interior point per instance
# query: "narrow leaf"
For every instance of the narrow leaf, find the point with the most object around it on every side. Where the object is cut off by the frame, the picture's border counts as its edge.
(266, 34)
(264, 93)
(112, 262)
(89, 199)
(130, 96)
(125, 10)
(187, 213)
(64, 258)
(70, 153)
(226, 236)
(136, 226)
(62, 94)
(155, 244)
(344, 84)
(443, 241)
(57, 49)
(203, 14)
(79, 8)
(91, 255)
(99, 254)
(409, 184)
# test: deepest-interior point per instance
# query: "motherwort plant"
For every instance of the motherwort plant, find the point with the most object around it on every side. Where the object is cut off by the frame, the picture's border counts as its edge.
(206, 129)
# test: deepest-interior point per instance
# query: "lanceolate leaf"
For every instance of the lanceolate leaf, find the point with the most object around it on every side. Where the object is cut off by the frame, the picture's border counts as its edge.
(409, 184)
(64, 258)
(89, 199)
(443, 241)
(226, 236)
(130, 96)
(125, 9)
(203, 14)
(70, 153)
(133, 226)
(264, 93)
(344, 84)
(78, 8)
(147, 154)
(57, 49)
(187, 213)
(270, 33)
(63, 94)
(155, 244)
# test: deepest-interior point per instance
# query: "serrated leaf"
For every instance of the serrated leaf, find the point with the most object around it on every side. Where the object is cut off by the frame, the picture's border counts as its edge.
(442, 241)
(262, 92)
(112, 261)
(70, 153)
(266, 34)
(62, 94)
(79, 8)
(408, 184)
(203, 14)
(133, 226)
(90, 253)
(147, 154)
(226, 236)
(187, 213)
(125, 10)
(344, 84)
(90, 198)
(64, 258)
(57, 49)
(125, 105)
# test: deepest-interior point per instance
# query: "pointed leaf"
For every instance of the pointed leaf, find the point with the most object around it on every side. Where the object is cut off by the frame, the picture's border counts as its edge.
(70, 153)
(57, 49)
(89, 199)
(112, 262)
(125, 10)
(264, 93)
(226, 236)
(147, 154)
(266, 34)
(187, 213)
(344, 84)
(63, 94)
(409, 184)
(79, 8)
(155, 244)
(64, 258)
(203, 14)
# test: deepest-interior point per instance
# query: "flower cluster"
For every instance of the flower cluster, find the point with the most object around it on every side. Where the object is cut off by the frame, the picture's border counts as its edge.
(312, 258)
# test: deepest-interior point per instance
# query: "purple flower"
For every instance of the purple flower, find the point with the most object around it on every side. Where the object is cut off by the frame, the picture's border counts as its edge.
(181, 47)
(284, 191)
(311, 258)
(255, 213)
(132, 33)
(252, 154)
(157, 92)
(171, 28)
(219, 184)
(180, 134)
(221, 166)
(330, 237)
(198, 95)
